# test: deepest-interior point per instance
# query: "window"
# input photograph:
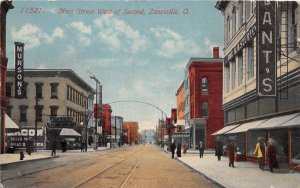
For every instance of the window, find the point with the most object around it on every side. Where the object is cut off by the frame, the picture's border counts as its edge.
(38, 113)
(8, 89)
(241, 13)
(250, 67)
(248, 9)
(233, 71)
(233, 21)
(295, 149)
(204, 110)
(227, 76)
(240, 68)
(54, 90)
(293, 27)
(23, 113)
(204, 85)
(53, 110)
(228, 29)
(8, 110)
(39, 90)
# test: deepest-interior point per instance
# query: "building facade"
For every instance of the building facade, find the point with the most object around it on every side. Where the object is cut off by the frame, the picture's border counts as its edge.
(261, 76)
(50, 93)
(106, 123)
(117, 129)
(130, 130)
(5, 6)
(203, 98)
(180, 102)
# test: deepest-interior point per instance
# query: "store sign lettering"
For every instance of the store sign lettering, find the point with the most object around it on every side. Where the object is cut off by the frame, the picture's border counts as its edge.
(19, 70)
(266, 48)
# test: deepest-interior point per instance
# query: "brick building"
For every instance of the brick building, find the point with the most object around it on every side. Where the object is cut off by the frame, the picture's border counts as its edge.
(203, 98)
(130, 129)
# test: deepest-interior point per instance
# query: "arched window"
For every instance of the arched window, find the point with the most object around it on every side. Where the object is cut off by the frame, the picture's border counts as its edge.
(204, 84)
(204, 107)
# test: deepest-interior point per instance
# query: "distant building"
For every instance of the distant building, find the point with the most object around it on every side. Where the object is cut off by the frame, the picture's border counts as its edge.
(117, 128)
(49, 93)
(180, 102)
(130, 129)
(106, 123)
(203, 98)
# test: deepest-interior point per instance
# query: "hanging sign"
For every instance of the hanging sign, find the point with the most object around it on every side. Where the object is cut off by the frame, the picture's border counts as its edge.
(266, 48)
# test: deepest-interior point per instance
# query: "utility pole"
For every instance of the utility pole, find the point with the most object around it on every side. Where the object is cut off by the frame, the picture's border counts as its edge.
(35, 130)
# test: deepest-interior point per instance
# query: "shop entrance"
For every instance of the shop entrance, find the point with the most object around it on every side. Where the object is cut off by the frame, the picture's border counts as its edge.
(281, 138)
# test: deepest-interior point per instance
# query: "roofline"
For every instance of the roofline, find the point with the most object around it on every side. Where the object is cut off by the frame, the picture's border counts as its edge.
(203, 60)
(53, 73)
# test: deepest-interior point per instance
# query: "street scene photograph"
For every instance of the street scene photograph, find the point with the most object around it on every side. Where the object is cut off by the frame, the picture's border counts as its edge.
(149, 93)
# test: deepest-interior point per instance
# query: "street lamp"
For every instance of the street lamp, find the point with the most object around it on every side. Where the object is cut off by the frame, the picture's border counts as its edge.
(100, 104)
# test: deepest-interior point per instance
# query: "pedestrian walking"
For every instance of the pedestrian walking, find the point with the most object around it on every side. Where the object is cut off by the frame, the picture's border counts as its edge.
(82, 146)
(184, 148)
(53, 148)
(63, 146)
(173, 147)
(259, 152)
(231, 149)
(219, 149)
(201, 149)
(28, 147)
(271, 154)
(178, 150)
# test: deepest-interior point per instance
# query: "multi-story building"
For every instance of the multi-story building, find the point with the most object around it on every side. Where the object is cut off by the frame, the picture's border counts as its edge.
(49, 93)
(117, 129)
(261, 76)
(106, 123)
(203, 98)
(180, 102)
(4, 8)
(130, 129)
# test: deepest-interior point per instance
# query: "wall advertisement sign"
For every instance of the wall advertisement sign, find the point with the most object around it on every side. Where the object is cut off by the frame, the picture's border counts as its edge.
(19, 70)
(266, 48)
(18, 138)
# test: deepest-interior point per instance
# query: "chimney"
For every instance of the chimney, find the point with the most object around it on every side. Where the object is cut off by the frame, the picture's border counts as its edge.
(215, 52)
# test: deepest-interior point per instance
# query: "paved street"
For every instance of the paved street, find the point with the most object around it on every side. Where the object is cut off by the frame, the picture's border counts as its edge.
(137, 166)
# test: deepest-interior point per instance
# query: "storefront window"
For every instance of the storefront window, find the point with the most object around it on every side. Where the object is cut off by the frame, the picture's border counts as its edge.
(280, 137)
(295, 149)
(252, 137)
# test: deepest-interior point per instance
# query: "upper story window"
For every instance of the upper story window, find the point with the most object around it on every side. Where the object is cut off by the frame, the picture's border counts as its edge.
(234, 21)
(204, 107)
(204, 84)
(240, 68)
(23, 113)
(293, 26)
(241, 13)
(54, 87)
(8, 110)
(227, 77)
(248, 9)
(233, 73)
(8, 89)
(250, 62)
(53, 110)
(39, 90)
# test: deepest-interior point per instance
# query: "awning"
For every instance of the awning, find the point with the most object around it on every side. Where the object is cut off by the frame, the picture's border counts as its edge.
(292, 123)
(276, 122)
(9, 123)
(225, 129)
(246, 126)
(69, 132)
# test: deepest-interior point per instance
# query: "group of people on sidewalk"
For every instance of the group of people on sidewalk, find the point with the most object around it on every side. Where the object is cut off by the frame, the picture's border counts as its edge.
(262, 151)
(177, 147)
(63, 144)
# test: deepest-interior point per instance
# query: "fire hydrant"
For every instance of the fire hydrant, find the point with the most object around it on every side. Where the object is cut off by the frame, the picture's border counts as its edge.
(21, 155)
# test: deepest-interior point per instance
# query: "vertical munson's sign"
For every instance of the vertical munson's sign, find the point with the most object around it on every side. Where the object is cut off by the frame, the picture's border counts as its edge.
(19, 70)
(266, 48)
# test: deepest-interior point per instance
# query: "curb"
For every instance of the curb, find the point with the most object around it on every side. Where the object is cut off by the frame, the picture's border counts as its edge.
(7, 165)
(198, 172)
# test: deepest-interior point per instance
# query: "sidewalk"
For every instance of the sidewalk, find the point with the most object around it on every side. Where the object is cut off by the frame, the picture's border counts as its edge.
(40, 154)
(245, 174)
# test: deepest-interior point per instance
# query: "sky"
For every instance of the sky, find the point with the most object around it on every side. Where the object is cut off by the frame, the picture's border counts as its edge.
(135, 55)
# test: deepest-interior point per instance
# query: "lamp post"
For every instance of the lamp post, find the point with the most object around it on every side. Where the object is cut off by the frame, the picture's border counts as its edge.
(100, 104)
